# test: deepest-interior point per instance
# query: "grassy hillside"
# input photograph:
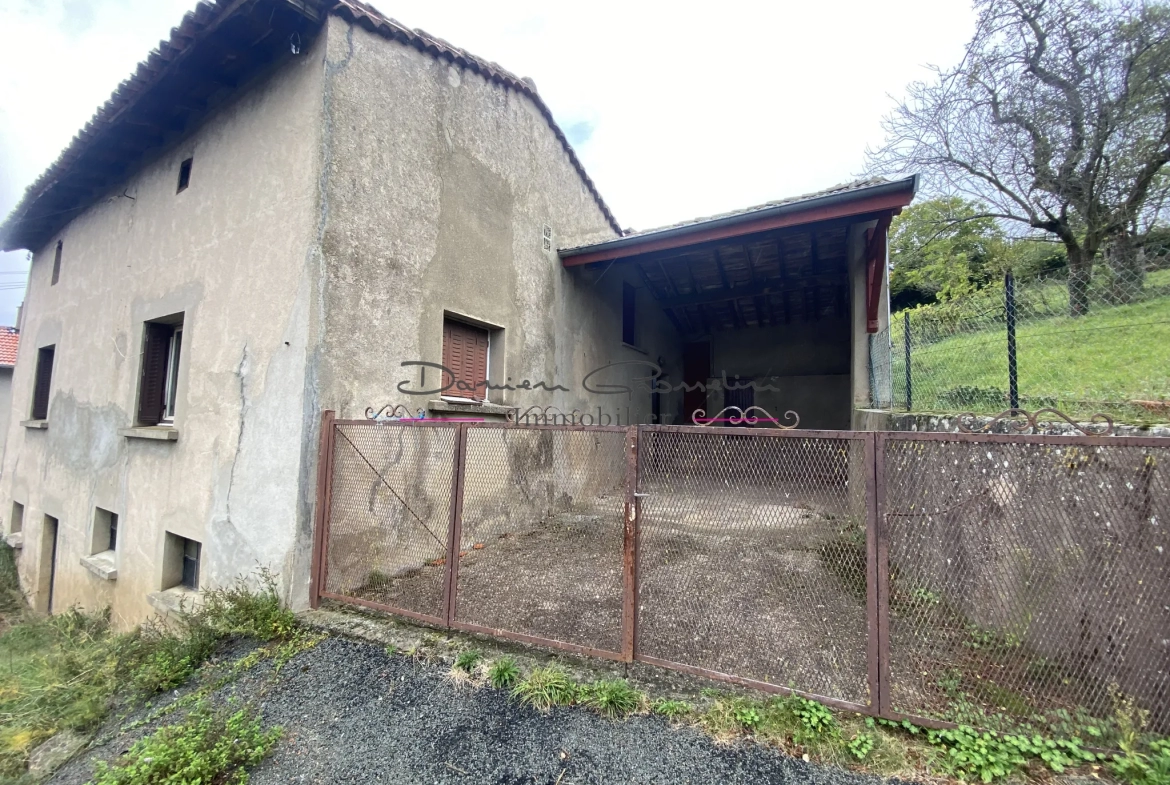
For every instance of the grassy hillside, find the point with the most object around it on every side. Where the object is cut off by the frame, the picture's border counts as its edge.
(1103, 361)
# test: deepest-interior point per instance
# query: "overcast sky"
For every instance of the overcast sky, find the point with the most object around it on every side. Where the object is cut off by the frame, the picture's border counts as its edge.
(677, 111)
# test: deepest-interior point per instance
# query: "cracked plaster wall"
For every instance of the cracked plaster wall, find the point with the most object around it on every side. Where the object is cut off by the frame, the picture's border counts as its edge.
(235, 253)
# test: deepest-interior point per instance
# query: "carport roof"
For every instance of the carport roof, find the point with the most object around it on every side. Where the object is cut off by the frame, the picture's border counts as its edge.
(857, 198)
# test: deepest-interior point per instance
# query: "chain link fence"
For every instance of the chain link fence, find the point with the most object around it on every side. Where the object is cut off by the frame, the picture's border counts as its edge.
(1032, 345)
(992, 580)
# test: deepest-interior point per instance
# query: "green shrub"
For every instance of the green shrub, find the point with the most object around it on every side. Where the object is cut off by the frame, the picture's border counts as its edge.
(467, 660)
(208, 746)
(614, 698)
(503, 673)
(547, 687)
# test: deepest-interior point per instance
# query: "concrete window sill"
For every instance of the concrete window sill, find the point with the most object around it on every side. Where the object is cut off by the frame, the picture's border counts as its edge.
(177, 600)
(104, 565)
(15, 540)
(483, 409)
(38, 425)
(162, 433)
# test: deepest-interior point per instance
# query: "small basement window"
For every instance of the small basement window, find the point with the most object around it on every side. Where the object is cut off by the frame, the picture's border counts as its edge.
(105, 531)
(57, 264)
(184, 175)
(629, 327)
(42, 383)
(17, 522)
(181, 558)
(158, 385)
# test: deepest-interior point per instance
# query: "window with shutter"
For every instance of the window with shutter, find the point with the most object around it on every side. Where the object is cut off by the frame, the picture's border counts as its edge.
(42, 382)
(465, 355)
(158, 384)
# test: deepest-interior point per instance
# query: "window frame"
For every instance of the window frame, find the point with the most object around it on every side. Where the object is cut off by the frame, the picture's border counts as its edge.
(43, 382)
(185, 174)
(57, 263)
(159, 371)
(171, 373)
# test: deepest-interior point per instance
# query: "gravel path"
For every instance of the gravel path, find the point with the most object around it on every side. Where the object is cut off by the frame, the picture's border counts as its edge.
(353, 714)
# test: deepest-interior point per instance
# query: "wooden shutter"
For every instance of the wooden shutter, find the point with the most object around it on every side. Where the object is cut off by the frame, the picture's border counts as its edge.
(41, 386)
(465, 351)
(629, 331)
(155, 342)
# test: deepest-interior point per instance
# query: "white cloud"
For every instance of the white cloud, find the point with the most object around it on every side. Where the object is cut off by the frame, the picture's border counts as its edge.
(679, 110)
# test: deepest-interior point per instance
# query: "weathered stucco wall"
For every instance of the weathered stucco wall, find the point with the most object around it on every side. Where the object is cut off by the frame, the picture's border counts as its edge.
(5, 408)
(807, 362)
(440, 185)
(233, 252)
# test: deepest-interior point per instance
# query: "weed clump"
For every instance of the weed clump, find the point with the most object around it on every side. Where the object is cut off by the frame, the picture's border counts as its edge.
(503, 673)
(467, 660)
(546, 687)
(613, 698)
(208, 745)
(671, 709)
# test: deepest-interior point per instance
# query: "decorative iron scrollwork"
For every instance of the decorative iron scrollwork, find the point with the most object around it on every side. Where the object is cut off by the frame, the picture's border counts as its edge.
(1098, 425)
(738, 416)
(393, 412)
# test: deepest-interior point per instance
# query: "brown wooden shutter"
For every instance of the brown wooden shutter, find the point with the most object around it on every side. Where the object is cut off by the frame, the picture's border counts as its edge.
(155, 342)
(465, 350)
(42, 383)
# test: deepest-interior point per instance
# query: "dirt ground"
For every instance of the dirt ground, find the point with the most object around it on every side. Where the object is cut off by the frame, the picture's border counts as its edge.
(746, 583)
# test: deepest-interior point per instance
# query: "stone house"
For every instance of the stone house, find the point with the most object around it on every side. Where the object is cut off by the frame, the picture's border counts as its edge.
(302, 205)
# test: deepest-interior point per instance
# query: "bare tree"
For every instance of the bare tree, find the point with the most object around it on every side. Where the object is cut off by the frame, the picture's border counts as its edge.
(1058, 117)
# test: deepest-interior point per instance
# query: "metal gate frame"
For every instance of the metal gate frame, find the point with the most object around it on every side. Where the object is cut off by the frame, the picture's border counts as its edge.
(877, 543)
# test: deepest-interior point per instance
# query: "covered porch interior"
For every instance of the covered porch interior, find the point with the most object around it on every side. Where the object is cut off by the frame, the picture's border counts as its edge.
(773, 310)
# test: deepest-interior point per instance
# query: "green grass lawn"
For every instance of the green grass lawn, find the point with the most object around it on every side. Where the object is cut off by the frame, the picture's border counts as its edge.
(1099, 362)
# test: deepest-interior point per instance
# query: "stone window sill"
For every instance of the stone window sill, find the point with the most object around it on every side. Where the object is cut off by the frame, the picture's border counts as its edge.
(15, 540)
(104, 565)
(483, 409)
(39, 425)
(163, 433)
(177, 600)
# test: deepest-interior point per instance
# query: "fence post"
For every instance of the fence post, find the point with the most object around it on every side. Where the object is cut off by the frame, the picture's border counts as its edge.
(906, 346)
(630, 547)
(1009, 297)
(455, 525)
(321, 513)
(881, 555)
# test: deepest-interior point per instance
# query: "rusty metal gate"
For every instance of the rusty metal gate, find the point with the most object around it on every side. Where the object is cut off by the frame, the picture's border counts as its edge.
(905, 575)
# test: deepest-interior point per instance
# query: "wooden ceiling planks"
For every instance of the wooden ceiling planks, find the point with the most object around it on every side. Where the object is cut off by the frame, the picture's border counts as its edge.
(770, 280)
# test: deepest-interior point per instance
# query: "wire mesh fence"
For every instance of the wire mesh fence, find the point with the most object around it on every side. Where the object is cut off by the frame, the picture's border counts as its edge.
(752, 557)
(1079, 347)
(541, 535)
(962, 577)
(1026, 578)
(389, 515)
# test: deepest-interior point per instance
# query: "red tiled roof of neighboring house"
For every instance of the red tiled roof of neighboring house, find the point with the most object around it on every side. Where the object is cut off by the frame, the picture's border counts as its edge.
(203, 22)
(9, 343)
(369, 17)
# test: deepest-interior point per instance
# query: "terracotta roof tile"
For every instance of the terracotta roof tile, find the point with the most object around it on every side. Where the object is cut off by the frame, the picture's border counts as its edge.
(9, 343)
(855, 185)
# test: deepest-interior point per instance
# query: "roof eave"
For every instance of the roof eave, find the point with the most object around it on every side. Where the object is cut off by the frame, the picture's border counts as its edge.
(877, 198)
